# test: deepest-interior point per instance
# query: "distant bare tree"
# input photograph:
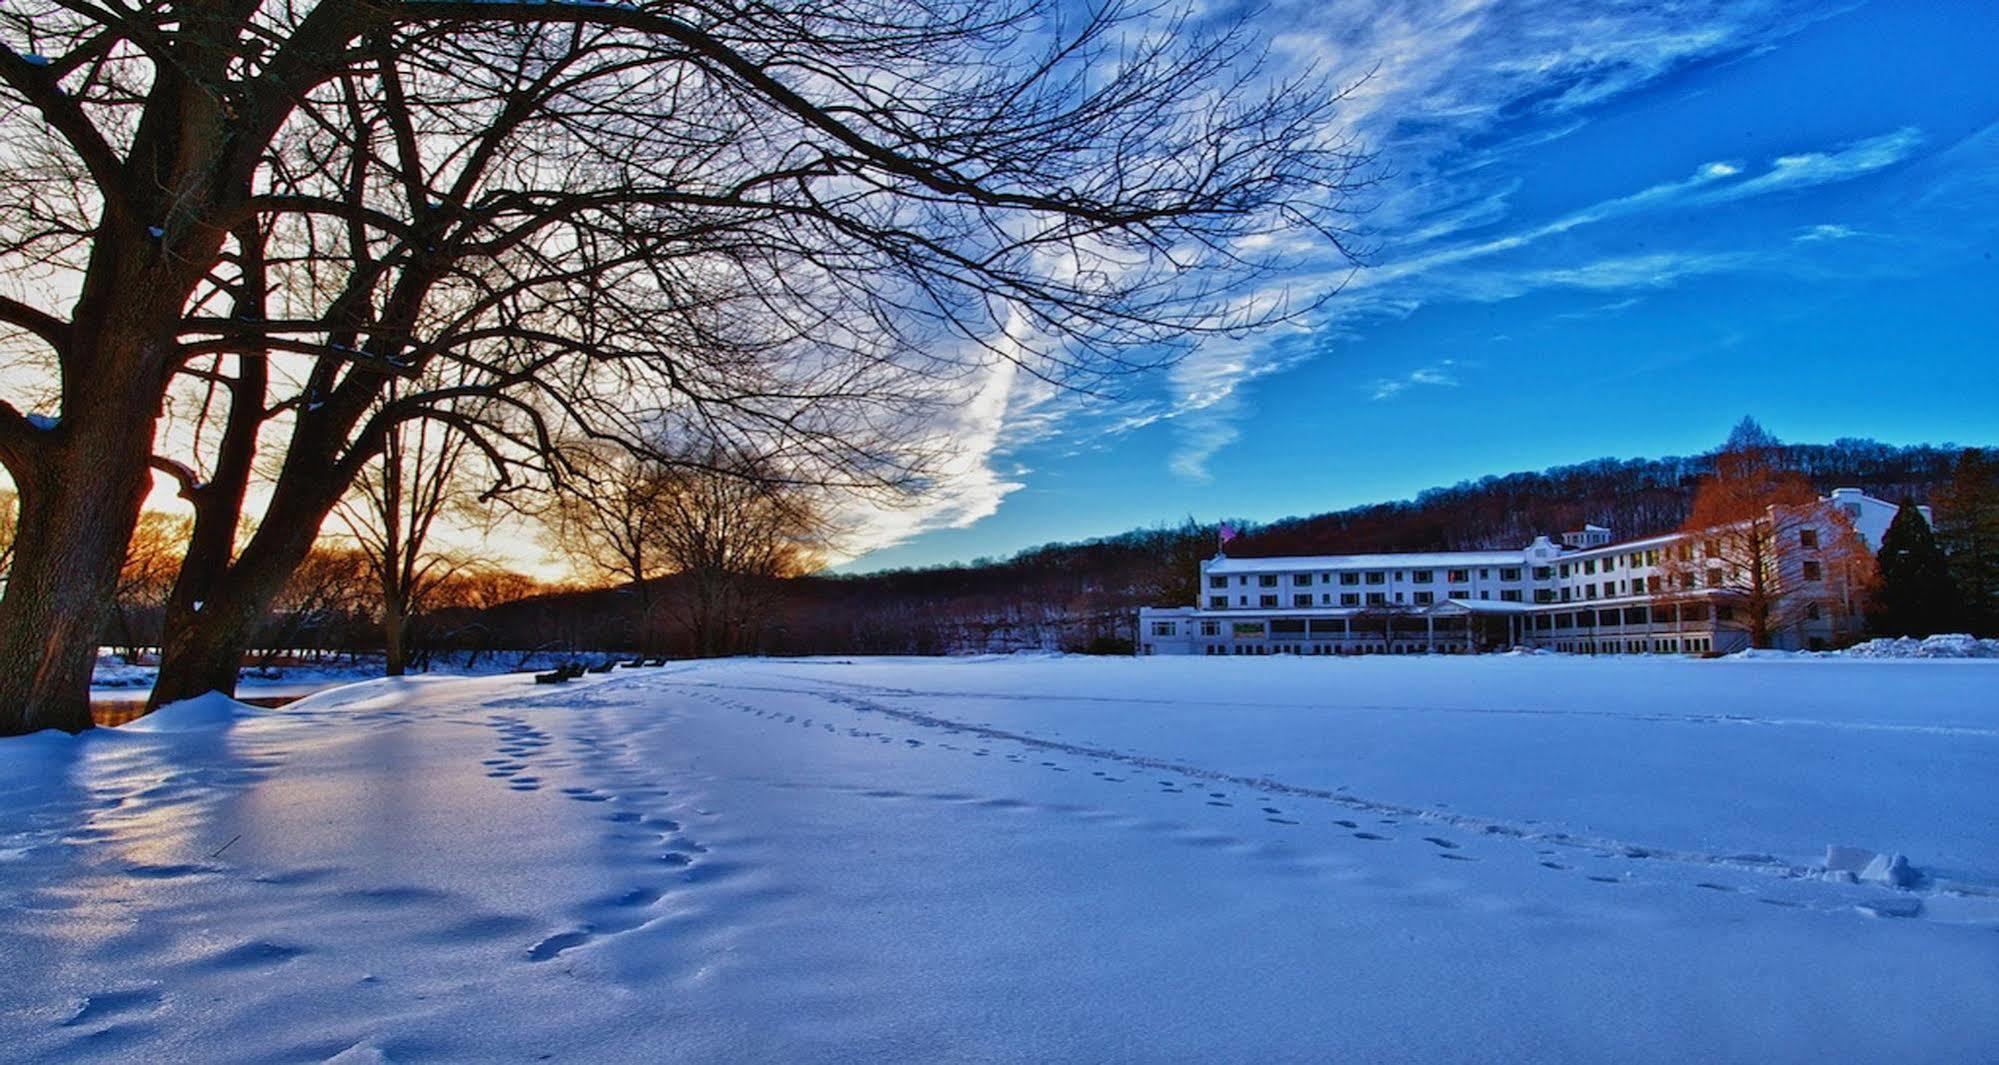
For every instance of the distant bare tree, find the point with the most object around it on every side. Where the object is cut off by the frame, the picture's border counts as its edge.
(1764, 550)
(726, 528)
(605, 521)
(327, 598)
(152, 562)
(425, 474)
(730, 529)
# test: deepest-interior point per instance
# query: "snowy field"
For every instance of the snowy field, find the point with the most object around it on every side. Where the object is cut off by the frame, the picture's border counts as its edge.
(1023, 860)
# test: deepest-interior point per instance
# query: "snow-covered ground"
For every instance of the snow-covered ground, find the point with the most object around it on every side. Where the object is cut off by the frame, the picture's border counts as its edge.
(1532, 858)
(114, 680)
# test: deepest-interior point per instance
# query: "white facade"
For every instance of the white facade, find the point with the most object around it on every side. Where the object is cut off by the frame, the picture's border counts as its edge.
(1586, 595)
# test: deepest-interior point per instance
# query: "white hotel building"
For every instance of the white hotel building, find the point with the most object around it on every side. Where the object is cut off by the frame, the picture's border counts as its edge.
(1585, 595)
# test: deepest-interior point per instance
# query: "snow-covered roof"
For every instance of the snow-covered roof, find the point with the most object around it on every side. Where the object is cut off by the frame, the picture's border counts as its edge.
(1414, 560)
(1621, 546)
(1482, 606)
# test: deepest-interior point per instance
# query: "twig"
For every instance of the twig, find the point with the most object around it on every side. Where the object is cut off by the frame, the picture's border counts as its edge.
(226, 846)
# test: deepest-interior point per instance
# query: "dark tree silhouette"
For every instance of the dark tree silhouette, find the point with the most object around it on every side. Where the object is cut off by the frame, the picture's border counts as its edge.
(1967, 529)
(1914, 595)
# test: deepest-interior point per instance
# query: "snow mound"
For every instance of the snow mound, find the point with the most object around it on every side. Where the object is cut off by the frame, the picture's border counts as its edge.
(1858, 864)
(1948, 645)
(199, 714)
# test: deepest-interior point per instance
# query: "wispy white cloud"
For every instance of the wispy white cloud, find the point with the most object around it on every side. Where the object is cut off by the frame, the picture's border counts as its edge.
(1824, 231)
(1441, 375)
(1807, 169)
(1447, 78)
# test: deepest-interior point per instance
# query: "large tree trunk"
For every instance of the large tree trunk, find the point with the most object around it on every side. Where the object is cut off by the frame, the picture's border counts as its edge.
(79, 502)
(395, 626)
(205, 652)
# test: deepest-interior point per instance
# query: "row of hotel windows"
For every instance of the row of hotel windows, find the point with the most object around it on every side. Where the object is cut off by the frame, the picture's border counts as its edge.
(1683, 613)
(1508, 595)
(1327, 649)
(1683, 551)
(1691, 645)
(1354, 577)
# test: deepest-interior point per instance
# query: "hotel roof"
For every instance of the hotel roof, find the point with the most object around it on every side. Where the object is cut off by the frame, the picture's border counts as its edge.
(1414, 560)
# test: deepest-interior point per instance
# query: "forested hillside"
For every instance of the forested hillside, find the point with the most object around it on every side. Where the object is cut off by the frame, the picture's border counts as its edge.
(1081, 596)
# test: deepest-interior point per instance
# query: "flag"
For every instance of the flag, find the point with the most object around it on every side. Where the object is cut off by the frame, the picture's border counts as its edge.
(1228, 532)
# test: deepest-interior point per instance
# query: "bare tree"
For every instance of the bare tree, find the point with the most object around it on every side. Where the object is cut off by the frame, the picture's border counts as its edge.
(1765, 551)
(730, 530)
(724, 527)
(798, 224)
(326, 601)
(425, 474)
(152, 563)
(605, 520)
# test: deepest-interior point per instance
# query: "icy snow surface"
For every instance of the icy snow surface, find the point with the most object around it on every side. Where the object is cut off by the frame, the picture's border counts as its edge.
(1521, 858)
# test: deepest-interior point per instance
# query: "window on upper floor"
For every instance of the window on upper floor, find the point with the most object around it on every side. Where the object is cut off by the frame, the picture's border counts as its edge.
(1377, 577)
(1589, 565)
(1484, 574)
(1510, 573)
(1711, 548)
(1457, 576)
(1714, 578)
(1565, 595)
(1509, 595)
(1812, 570)
(1808, 537)
(1301, 580)
(1542, 573)
(1423, 576)
(1813, 612)
(1301, 600)
(1218, 582)
(1376, 599)
(1211, 628)
(1266, 580)
(1349, 577)
(1165, 628)
(1544, 595)
(1218, 602)
(1425, 598)
(1349, 598)
(1268, 600)
(1652, 584)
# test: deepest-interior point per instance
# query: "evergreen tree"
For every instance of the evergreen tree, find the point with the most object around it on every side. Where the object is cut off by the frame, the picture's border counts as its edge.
(1916, 596)
(1967, 511)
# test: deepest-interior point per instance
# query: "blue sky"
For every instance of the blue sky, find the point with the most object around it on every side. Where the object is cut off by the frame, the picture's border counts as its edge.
(1609, 229)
